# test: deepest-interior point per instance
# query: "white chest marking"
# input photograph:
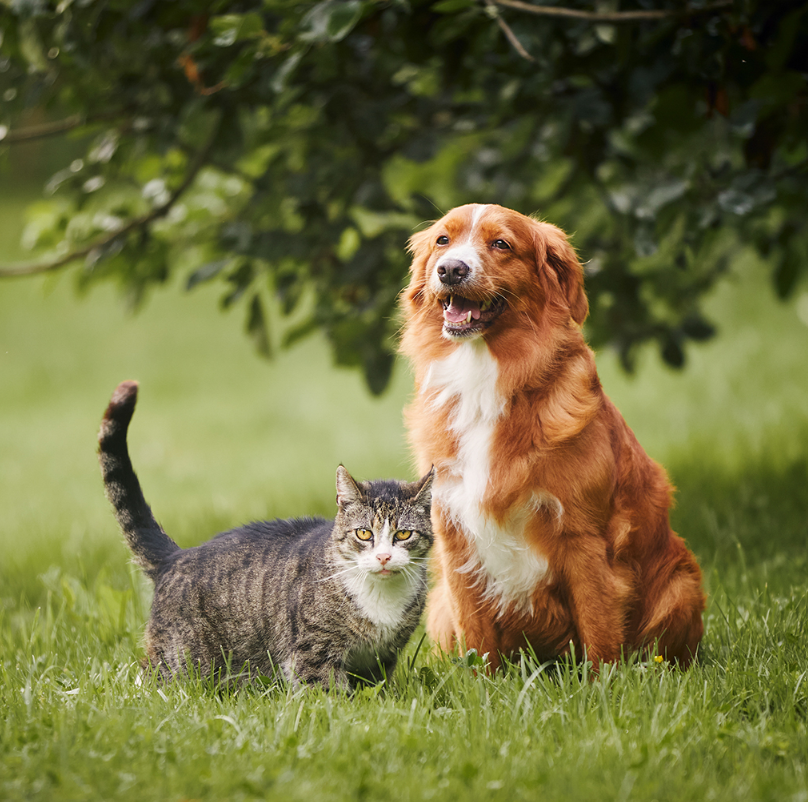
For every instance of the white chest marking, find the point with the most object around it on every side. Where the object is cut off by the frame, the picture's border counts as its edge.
(383, 601)
(501, 557)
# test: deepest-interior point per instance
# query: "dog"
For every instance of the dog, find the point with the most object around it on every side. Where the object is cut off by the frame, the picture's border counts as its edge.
(551, 522)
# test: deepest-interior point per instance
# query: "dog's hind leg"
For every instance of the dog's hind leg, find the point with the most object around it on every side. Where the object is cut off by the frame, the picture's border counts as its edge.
(601, 597)
(673, 623)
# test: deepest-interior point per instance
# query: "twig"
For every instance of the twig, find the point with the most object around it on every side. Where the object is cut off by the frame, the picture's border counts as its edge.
(33, 268)
(615, 17)
(509, 34)
(34, 132)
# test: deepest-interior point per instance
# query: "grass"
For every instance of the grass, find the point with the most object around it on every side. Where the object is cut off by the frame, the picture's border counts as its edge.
(221, 437)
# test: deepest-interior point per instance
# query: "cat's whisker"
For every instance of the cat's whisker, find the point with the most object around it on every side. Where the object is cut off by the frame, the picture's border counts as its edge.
(341, 573)
(412, 574)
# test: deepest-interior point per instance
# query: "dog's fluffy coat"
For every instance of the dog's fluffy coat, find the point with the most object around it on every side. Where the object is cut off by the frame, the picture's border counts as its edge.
(551, 521)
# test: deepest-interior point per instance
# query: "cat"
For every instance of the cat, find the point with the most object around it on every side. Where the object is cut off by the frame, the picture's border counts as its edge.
(320, 601)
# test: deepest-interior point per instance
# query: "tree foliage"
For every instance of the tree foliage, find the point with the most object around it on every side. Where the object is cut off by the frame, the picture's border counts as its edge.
(291, 148)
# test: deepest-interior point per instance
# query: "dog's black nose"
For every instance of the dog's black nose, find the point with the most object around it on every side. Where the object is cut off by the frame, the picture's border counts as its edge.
(452, 271)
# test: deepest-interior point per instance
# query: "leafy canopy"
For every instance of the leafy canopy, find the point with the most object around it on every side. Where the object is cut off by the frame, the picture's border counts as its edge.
(292, 147)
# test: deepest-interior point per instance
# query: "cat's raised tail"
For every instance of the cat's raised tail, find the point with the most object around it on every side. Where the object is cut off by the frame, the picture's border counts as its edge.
(145, 537)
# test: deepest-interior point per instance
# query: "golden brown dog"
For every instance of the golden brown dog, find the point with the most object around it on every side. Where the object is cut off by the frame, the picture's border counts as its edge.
(551, 521)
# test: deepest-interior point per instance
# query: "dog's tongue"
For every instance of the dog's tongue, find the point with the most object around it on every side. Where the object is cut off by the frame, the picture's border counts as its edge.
(458, 309)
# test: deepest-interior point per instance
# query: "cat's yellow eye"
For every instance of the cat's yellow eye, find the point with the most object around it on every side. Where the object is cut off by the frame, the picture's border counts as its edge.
(403, 534)
(364, 534)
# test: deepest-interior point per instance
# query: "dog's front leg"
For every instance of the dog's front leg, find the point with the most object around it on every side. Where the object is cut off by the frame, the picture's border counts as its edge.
(459, 616)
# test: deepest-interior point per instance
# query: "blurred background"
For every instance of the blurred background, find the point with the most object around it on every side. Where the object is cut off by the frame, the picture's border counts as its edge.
(680, 186)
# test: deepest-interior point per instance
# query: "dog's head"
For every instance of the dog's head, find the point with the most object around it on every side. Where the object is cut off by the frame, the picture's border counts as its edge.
(482, 267)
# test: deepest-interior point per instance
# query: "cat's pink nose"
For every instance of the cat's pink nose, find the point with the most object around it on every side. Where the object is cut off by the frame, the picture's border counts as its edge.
(383, 558)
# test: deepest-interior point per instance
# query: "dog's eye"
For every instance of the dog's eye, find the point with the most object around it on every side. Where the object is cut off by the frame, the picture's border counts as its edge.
(443, 240)
(500, 245)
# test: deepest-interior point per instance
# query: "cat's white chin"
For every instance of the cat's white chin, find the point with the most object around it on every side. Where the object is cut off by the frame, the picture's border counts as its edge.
(383, 598)
(385, 573)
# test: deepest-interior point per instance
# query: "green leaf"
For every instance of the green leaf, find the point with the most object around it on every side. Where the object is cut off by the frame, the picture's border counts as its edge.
(697, 328)
(778, 89)
(789, 267)
(661, 195)
(672, 351)
(206, 273)
(451, 6)
(257, 327)
(371, 223)
(378, 368)
(349, 243)
(331, 21)
(299, 332)
(231, 28)
(283, 76)
(240, 279)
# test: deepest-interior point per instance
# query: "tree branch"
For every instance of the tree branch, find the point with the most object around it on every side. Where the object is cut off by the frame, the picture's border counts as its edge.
(509, 34)
(614, 17)
(34, 268)
(33, 132)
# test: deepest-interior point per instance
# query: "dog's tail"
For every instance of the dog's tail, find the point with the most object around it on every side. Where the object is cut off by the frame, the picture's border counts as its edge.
(145, 537)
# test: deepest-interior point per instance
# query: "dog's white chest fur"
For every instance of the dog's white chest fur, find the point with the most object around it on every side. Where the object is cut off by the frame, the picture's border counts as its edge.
(501, 557)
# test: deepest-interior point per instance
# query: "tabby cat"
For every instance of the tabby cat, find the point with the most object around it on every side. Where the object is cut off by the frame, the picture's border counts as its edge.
(321, 601)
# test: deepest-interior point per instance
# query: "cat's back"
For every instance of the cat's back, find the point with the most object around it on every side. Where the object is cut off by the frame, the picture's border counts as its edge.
(288, 534)
(232, 591)
(258, 544)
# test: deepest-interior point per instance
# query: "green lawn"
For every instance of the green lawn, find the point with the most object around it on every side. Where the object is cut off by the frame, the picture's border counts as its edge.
(221, 437)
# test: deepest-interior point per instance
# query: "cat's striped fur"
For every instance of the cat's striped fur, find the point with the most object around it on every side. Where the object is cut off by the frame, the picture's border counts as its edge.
(322, 601)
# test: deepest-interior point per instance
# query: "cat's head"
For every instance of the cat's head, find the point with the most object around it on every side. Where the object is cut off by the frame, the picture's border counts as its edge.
(383, 527)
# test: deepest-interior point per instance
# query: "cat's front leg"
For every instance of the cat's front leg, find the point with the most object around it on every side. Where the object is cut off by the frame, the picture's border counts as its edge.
(300, 669)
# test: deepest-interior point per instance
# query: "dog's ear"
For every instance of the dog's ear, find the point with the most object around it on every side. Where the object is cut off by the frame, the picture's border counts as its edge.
(560, 271)
(418, 242)
(418, 246)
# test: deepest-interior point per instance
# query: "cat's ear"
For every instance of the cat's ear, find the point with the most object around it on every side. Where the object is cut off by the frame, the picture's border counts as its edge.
(348, 491)
(422, 490)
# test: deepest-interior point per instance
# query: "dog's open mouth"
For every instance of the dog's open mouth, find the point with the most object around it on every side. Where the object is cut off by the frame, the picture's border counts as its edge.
(464, 316)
